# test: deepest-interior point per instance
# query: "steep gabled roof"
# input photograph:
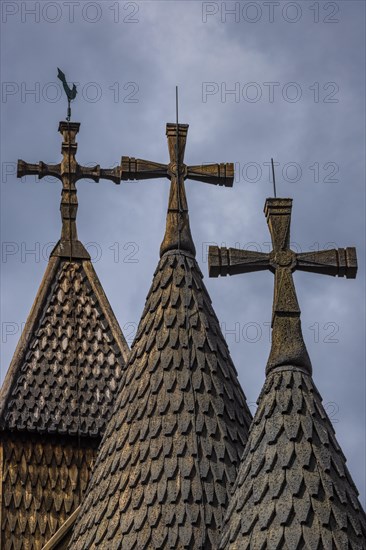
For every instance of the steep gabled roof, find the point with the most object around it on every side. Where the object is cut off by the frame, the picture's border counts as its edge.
(69, 360)
(171, 450)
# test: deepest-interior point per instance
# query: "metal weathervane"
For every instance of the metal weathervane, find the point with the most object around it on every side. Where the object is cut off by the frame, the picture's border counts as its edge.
(70, 92)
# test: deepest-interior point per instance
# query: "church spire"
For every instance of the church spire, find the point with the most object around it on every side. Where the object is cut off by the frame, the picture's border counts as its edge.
(293, 489)
(59, 389)
(170, 454)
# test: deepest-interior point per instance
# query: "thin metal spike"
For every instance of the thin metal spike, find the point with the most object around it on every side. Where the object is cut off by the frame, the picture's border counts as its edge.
(177, 165)
(177, 138)
(274, 179)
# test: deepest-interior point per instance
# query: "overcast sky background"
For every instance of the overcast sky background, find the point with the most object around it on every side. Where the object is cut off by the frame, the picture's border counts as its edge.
(127, 58)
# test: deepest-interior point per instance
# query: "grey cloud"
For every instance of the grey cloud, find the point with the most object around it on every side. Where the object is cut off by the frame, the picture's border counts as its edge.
(171, 45)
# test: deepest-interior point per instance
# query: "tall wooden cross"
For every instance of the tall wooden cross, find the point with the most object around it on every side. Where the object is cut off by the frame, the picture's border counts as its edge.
(288, 347)
(177, 233)
(69, 172)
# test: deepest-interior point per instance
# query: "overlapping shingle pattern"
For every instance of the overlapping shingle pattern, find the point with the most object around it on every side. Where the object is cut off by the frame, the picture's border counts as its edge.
(60, 386)
(171, 450)
(42, 485)
(293, 490)
(66, 381)
(55, 403)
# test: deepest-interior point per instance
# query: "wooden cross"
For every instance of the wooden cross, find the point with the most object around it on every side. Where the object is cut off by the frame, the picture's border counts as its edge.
(288, 347)
(178, 233)
(69, 172)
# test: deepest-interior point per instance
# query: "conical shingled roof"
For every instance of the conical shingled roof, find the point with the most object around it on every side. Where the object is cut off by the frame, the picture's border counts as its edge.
(171, 451)
(293, 490)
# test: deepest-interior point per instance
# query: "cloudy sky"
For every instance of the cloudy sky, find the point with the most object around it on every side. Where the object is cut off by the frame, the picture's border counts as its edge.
(256, 80)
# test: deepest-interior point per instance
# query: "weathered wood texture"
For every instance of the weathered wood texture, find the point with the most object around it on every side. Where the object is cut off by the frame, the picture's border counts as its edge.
(43, 478)
(171, 451)
(294, 490)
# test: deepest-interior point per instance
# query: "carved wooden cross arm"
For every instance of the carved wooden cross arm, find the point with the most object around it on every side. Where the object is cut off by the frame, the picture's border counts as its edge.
(341, 262)
(68, 170)
(138, 169)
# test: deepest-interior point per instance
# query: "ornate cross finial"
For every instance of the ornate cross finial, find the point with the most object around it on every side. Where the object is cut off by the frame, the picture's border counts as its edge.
(178, 233)
(69, 172)
(288, 347)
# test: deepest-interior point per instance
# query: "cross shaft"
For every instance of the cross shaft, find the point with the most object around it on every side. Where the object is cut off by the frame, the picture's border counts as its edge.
(288, 346)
